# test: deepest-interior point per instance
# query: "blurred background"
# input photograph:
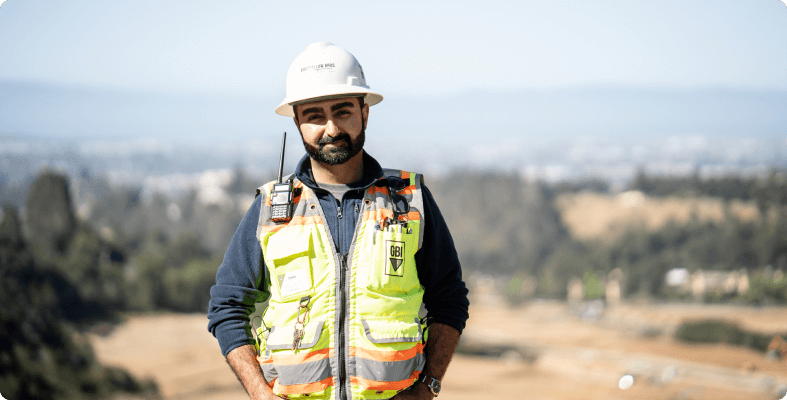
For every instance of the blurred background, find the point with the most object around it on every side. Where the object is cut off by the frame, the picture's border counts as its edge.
(614, 174)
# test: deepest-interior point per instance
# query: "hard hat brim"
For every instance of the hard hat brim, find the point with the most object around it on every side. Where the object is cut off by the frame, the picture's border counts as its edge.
(371, 98)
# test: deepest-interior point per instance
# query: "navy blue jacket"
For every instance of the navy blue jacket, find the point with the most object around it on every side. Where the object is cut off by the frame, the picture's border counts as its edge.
(239, 278)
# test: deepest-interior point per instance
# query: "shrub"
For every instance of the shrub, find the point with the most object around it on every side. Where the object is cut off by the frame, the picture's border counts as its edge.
(718, 331)
(188, 288)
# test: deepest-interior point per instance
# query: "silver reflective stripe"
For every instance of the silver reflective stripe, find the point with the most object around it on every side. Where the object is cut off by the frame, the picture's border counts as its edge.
(418, 203)
(269, 372)
(298, 374)
(388, 371)
(368, 333)
(318, 330)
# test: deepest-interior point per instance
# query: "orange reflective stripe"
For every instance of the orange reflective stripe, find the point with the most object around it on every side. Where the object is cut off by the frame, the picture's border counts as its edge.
(384, 190)
(367, 384)
(405, 175)
(377, 214)
(407, 190)
(292, 359)
(303, 388)
(378, 189)
(382, 355)
(296, 220)
(381, 213)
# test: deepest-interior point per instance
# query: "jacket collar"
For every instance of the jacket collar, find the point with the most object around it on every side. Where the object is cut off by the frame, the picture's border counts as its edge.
(371, 174)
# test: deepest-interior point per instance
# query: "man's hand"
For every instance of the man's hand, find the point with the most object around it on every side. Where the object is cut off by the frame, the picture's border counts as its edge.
(419, 391)
(439, 350)
(243, 361)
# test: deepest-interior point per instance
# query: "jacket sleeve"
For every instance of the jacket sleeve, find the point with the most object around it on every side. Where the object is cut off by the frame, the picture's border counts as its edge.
(445, 293)
(239, 285)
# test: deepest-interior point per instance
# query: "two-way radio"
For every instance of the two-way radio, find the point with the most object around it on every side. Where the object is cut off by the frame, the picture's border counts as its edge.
(281, 195)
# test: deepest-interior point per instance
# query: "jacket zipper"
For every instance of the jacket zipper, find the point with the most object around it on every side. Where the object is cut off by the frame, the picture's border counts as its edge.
(343, 316)
(343, 300)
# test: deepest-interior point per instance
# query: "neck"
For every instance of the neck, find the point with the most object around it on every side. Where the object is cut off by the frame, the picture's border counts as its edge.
(346, 173)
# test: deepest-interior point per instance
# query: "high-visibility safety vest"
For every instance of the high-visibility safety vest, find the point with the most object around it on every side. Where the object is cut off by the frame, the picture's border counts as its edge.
(343, 326)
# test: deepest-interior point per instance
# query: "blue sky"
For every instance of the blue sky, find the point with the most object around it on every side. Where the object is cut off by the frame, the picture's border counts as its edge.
(406, 48)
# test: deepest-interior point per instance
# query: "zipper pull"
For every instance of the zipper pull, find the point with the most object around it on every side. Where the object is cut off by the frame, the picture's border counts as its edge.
(357, 209)
(339, 211)
(344, 261)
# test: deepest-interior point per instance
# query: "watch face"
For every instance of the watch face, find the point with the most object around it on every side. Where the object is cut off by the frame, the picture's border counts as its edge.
(436, 386)
(432, 383)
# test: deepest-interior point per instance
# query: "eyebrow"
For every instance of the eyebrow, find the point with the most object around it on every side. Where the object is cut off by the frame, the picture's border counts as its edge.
(311, 110)
(314, 110)
(341, 105)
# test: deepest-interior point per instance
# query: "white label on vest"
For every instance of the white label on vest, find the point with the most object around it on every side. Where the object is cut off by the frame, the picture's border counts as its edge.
(294, 282)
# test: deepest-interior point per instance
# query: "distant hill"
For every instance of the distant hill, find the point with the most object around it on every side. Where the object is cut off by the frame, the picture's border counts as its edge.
(52, 111)
(59, 112)
(605, 133)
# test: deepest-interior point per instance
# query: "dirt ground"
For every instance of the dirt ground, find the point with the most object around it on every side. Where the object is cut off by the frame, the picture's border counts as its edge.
(602, 216)
(552, 353)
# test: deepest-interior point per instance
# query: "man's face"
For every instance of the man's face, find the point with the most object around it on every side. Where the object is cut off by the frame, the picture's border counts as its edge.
(333, 131)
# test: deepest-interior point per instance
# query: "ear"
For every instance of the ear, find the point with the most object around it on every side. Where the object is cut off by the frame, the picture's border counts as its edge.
(295, 115)
(365, 113)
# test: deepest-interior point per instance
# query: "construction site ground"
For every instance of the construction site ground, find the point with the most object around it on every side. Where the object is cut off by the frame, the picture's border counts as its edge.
(538, 351)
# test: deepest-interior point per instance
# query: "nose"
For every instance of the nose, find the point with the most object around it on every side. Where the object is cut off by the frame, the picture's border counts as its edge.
(331, 129)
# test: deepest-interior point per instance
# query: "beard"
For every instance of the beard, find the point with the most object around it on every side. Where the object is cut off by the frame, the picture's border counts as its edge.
(344, 148)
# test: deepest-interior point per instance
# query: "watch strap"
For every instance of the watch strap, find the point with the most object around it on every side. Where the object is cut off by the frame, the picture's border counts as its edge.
(432, 383)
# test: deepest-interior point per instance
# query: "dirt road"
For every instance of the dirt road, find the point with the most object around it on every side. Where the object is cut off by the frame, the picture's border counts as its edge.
(571, 358)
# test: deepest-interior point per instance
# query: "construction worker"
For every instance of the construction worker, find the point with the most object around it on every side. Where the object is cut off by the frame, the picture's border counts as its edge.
(346, 253)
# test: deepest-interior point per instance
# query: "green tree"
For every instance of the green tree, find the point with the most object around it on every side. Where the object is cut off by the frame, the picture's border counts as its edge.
(188, 288)
(11, 228)
(145, 286)
(593, 288)
(90, 267)
(41, 355)
(49, 215)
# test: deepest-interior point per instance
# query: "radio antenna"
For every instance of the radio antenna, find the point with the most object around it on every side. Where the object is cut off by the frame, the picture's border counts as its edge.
(281, 160)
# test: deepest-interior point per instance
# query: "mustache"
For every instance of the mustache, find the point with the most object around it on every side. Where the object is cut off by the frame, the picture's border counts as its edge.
(327, 139)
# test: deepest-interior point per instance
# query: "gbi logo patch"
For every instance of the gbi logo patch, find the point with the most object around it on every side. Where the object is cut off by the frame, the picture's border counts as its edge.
(395, 264)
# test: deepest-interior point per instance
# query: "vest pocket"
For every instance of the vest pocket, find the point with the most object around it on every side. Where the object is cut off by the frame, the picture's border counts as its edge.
(393, 262)
(288, 258)
(391, 358)
(303, 372)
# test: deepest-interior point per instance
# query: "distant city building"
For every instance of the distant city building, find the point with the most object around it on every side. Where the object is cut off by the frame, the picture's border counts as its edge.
(575, 290)
(612, 292)
(702, 282)
(677, 277)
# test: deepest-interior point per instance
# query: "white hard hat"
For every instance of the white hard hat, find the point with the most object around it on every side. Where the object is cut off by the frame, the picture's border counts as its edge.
(324, 71)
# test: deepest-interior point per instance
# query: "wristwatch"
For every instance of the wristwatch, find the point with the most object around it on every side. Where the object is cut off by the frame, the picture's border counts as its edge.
(432, 383)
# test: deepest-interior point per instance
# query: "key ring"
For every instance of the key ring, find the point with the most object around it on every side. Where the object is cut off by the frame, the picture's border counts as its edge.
(304, 303)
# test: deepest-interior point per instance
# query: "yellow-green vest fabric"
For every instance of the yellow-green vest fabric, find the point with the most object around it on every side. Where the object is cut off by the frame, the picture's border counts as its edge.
(362, 319)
